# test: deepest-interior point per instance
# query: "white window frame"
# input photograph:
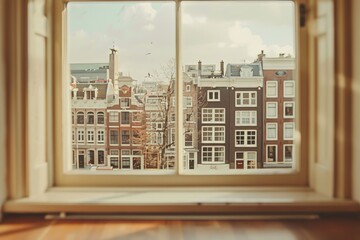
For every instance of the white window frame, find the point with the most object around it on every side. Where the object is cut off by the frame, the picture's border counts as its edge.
(213, 134)
(293, 106)
(89, 133)
(246, 136)
(113, 116)
(239, 101)
(213, 99)
(276, 131)
(212, 155)
(293, 130)
(286, 82)
(276, 110)
(100, 138)
(213, 114)
(267, 151)
(187, 102)
(239, 117)
(293, 153)
(117, 142)
(97, 157)
(267, 89)
(79, 138)
(245, 159)
(188, 88)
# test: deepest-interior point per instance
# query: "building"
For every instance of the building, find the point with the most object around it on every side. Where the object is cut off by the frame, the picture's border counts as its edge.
(279, 110)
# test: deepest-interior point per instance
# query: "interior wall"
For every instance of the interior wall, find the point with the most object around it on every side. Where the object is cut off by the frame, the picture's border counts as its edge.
(2, 106)
(356, 98)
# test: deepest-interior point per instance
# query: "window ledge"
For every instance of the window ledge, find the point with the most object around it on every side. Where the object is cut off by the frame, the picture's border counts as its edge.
(194, 200)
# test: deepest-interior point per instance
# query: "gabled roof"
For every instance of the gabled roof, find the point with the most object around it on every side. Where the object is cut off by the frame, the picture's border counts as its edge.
(101, 87)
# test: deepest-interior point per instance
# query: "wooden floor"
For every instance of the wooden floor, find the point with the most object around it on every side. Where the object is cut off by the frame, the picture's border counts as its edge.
(36, 228)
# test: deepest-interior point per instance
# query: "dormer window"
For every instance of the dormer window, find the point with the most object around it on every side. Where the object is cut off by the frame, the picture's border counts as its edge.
(246, 71)
(90, 92)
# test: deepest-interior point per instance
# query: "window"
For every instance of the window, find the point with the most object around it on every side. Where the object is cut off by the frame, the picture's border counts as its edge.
(91, 157)
(72, 118)
(245, 118)
(188, 138)
(213, 154)
(271, 110)
(213, 115)
(172, 117)
(114, 162)
(125, 137)
(73, 136)
(271, 89)
(288, 152)
(188, 88)
(125, 117)
(100, 118)
(114, 137)
(100, 136)
(213, 134)
(289, 89)
(289, 109)
(124, 102)
(245, 138)
(113, 117)
(80, 118)
(90, 136)
(271, 153)
(245, 99)
(188, 117)
(81, 136)
(213, 95)
(90, 118)
(289, 131)
(101, 159)
(245, 160)
(271, 131)
(187, 102)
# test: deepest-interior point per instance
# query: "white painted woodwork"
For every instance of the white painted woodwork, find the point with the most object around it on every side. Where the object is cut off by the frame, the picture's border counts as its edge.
(36, 98)
(324, 45)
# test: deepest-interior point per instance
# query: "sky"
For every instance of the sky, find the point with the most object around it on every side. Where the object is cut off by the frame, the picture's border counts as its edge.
(144, 32)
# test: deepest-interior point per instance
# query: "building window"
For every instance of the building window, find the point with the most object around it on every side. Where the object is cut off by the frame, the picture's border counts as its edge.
(91, 157)
(245, 99)
(271, 89)
(271, 110)
(187, 102)
(245, 160)
(113, 116)
(125, 102)
(271, 153)
(81, 136)
(114, 152)
(289, 109)
(125, 162)
(100, 118)
(114, 162)
(289, 131)
(90, 118)
(271, 131)
(90, 94)
(213, 115)
(188, 137)
(188, 117)
(172, 117)
(213, 154)
(100, 136)
(245, 138)
(125, 137)
(213, 95)
(245, 118)
(125, 117)
(213, 134)
(188, 88)
(289, 89)
(80, 118)
(90, 136)
(72, 118)
(101, 158)
(288, 152)
(114, 137)
(73, 136)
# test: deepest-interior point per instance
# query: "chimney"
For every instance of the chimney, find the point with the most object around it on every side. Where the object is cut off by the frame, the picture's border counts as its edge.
(261, 56)
(222, 67)
(199, 68)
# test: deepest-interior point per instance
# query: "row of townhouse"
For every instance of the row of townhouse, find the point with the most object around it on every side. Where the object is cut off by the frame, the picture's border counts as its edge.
(241, 118)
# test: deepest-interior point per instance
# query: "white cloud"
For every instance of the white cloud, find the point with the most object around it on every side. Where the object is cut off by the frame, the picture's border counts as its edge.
(143, 10)
(188, 19)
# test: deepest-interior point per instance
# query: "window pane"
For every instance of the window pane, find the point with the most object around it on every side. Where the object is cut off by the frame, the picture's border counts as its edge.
(242, 103)
(122, 67)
